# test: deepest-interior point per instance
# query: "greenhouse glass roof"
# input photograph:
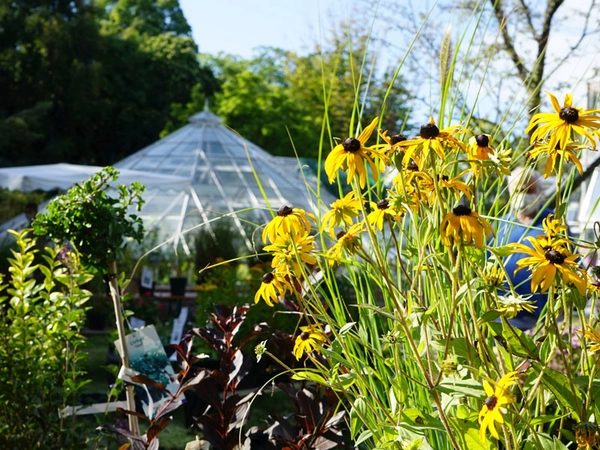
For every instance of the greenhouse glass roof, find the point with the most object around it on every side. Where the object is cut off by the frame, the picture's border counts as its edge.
(223, 168)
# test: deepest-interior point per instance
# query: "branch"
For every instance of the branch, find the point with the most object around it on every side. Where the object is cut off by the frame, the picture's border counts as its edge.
(528, 18)
(508, 40)
(584, 33)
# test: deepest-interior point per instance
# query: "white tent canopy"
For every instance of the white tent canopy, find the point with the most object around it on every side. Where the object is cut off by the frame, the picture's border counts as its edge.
(62, 176)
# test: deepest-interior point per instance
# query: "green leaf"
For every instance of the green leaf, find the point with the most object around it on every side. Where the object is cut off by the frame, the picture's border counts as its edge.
(519, 343)
(312, 376)
(559, 385)
(346, 328)
(473, 441)
(489, 316)
(362, 437)
(467, 388)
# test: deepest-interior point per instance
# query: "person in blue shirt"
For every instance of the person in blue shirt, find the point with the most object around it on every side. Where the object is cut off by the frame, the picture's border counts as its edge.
(525, 219)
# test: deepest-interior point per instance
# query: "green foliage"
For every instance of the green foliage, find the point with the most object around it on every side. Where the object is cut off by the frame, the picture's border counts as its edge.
(152, 17)
(93, 220)
(220, 242)
(13, 203)
(40, 360)
(89, 82)
(276, 99)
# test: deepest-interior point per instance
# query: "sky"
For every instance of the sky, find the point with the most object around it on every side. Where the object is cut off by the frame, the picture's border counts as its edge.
(239, 26)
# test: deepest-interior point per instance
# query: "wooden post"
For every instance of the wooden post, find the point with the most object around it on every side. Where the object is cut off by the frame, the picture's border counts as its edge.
(129, 392)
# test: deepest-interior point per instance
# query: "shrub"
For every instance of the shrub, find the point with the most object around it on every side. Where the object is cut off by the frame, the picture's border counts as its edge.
(40, 362)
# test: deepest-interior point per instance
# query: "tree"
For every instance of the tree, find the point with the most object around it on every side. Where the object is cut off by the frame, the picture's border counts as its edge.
(151, 17)
(281, 100)
(80, 86)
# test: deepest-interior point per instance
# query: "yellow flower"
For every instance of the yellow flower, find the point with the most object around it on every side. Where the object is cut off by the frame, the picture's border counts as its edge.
(464, 225)
(287, 222)
(430, 137)
(455, 185)
(351, 155)
(479, 147)
(494, 405)
(545, 262)
(594, 336)
(553, 227)
(379, 211)
(494, 276)
(308, 341)
(568, 154)
(560, 125)
(342, 212)
(289, 252)
(272, 287)
(392, 141)
(509, 305)
(347, 240)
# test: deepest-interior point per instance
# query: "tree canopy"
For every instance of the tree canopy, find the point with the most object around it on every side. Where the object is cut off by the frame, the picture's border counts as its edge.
(88, 82)
(277, 99)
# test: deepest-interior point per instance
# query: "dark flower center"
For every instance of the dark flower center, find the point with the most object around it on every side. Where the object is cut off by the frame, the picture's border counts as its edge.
(569, 115)
(397, 138)
(268, 277)
(429, 130)
(461, 210)
(482, 140)
(491, 402)
(340, 235)
(412, 165)
(284, 211)
(383, 204)
(443, 178)
(351, 145)
(304, 335)
(554, 256)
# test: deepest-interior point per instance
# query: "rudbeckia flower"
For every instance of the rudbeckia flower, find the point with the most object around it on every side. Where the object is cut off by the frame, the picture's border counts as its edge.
(563, 122)
(464, 225)
(351, 155)
(430, 137)
(287, 222)
(392, 149)
(568, 154)
(545, 262)
(342, 212)
(272, 287)
(494, 405)
(594, 337)
(553, 227)
(509, 305)
(346, 241)
(290, 251)
(455, 185)
(381, 210)
(480, 148)
(392, 140)
(308, 340)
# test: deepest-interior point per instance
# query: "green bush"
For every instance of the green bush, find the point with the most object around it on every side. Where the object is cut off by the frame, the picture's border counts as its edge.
(40, 362)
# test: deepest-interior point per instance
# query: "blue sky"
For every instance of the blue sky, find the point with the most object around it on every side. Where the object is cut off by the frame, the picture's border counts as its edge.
(239, 26)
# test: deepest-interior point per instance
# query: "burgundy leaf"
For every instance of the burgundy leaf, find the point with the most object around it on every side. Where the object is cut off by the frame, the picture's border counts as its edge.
(201, 375)
(133, 413)
(143, 379)
(156, 428)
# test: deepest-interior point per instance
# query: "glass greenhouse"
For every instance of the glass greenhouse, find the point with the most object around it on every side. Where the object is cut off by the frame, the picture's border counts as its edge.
(229, 176)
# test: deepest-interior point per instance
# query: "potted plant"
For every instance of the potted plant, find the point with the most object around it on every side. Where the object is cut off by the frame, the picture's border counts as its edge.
(180, 264)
